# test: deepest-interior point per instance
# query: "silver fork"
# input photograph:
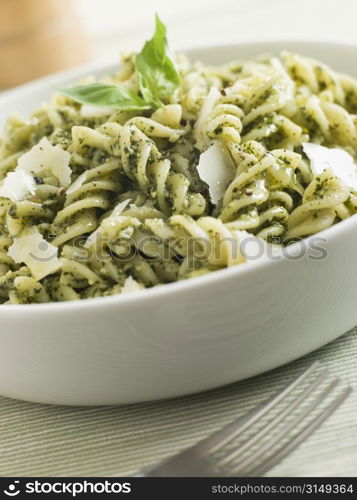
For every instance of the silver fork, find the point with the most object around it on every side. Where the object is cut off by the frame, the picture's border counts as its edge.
(254, 456)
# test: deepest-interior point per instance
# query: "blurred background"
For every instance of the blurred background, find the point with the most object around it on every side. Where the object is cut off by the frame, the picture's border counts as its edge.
(38, 37)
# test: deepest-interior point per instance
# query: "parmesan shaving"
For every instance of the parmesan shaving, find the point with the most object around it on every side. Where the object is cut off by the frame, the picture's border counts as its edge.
(216, 168)
(130, 285)
(43, 156)
(33, 250)
(17, 185)
(338, 160)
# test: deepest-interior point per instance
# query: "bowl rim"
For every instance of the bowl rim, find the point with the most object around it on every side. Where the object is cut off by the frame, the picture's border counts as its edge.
(219, 275)
(109, 62)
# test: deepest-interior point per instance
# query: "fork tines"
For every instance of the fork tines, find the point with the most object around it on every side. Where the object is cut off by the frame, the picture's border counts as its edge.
(264, 436)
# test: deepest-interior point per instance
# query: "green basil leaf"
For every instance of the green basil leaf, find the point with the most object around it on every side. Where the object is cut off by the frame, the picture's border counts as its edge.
(157, 78)
(105, 95)
(154, 66)
(147, 94)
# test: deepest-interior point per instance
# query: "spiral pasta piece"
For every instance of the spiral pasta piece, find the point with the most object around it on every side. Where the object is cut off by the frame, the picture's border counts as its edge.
(318, 208)
(141, 161)
(205, 243)
(218, 119)
(255, 200)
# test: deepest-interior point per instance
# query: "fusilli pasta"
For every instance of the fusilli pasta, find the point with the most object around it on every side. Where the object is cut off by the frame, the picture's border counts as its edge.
(135, 212)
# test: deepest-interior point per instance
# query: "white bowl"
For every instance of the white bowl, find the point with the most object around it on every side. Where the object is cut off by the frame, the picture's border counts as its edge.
(187, 336)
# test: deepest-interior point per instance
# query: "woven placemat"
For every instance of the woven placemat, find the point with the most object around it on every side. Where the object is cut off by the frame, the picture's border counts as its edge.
(40, 440)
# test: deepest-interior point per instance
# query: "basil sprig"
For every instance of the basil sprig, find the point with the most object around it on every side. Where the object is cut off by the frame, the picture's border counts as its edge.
(154, 66)
(105, 95)
(157, 78)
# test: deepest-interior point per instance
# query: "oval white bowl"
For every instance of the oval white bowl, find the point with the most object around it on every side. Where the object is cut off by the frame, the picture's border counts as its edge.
(191, 335)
